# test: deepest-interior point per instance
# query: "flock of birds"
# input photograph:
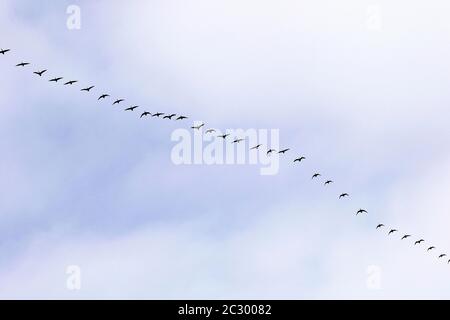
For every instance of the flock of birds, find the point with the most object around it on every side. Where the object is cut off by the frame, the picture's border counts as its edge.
(173, 116)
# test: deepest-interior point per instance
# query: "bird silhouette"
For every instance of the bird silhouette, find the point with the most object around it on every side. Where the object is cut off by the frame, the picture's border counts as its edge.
(170, 116)
(88, 88)
(419, 241)
(300, 159)
(3, 51)
(392, 231)
(442, 255)
(198, 127)
(343, 195)
(431, 248)
(361, 211)
(22, 64)
(158, 114)
(283, 151)
(146, 113)
(69, 83)
(224, 136)
(210, 131)
(131, 108)
(181, 118)
(316, 175)
(406, 236)
(103, 96)
(328, 182)
(380, 226)
(40, 73)
(256, 147)
(270, 151)
(55, 79)
(237, 140)
(118, 101)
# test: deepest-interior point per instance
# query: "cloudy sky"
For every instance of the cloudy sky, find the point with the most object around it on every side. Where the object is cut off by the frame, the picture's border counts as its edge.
(359, 87)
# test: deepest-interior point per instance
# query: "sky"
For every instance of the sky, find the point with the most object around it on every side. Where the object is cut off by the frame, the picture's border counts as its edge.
(358, 87)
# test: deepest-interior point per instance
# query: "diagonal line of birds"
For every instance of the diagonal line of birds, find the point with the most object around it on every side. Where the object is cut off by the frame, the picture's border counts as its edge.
(172, 116)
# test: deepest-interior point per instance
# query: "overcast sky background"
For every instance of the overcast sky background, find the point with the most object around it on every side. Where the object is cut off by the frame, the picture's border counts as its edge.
(84, 183)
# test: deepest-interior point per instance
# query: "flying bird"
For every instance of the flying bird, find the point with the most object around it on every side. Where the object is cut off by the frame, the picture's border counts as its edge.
(380, 226)
(256, 147)
(316, 175)
(328, 182)
(40, 73)
(55, 79)
(181, 118)
(118, 101)
(300, 159)
(146, 113)
(22, 64)
(198, 127)
(3, 51)
(69, 83)
(131, 108)
(270, 151)
(88, 88)
(158, 114)
(419, 241)
(237, 140)
(392, 231)
(284, 151)
(362, 211)
(431, 248)
(210, 131)
(103, 96)
(169, 116)
(343, 195)
(224, 136)
(442, 255)
(406, 236)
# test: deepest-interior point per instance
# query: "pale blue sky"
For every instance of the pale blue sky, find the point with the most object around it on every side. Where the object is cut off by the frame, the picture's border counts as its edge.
(87, 184)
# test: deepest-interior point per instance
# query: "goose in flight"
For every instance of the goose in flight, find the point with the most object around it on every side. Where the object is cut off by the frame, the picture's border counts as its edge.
(431, 248)
(3, 51)
(406, 236)
(55, 79)
(210, 131)
(22, 64)
(237, 140)
(256, 147)
(40, 73)
(328, 182)
(198, 127)
(181, 118)
(270, 151)
(131, 108)
(158, 114)
(118, 101)
(283, 151)
(344, 195)
(392, 231)
(419, 241)
(224, 136)
(300, 159)
(69, 83)
(442, 255)
(146, 113)
(170, 116)
(316, 175)
(380, 226)
(88, 88)
(362, 211)
(103, 96)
